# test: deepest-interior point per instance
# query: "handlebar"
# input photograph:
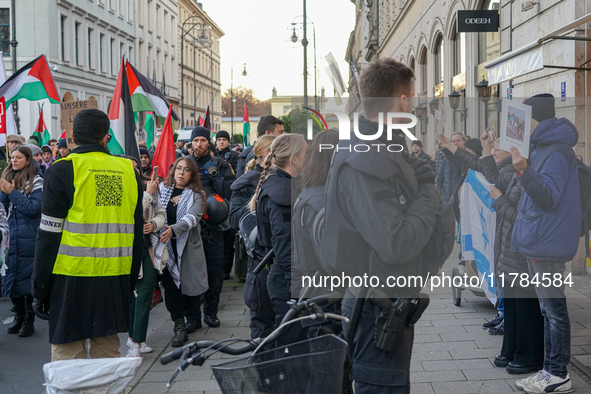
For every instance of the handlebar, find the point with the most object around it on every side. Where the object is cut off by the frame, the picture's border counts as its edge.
(194, 347)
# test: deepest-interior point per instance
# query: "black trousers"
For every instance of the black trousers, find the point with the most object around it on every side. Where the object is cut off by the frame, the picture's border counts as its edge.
(377, 371)
(523, 341)
(176, 302)
(213, 245)
(229, 236)
(23, 304)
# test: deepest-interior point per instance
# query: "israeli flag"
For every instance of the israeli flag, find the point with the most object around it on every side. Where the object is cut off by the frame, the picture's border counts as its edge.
(478, 222)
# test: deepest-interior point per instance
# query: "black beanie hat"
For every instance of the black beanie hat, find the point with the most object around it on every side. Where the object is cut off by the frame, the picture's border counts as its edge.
(474, 145)
(222, 134)
(542, 106)
(144, 151)
(417, 142)
(200, 131)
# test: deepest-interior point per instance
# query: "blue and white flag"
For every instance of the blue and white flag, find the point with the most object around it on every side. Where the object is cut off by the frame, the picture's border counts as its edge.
(478, 222)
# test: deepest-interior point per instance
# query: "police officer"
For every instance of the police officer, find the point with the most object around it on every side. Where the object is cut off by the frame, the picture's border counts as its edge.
(273, 202)
(222, 140)
(216, 177)
(381, 210)
(261, 310)
(85, 274)
(268, 124)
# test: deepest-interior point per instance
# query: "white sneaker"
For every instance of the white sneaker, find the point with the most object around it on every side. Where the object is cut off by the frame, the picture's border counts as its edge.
(550, 384)
(134, 351)
(129, 342)
(520, 384)
(145, 348)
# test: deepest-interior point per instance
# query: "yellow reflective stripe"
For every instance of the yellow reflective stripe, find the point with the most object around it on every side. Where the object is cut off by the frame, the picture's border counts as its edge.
(93, 266)
(97, 240)
(98, 228)
(81, 251)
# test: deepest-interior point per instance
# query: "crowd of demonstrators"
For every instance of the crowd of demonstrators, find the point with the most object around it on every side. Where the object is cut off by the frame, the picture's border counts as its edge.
(417, 151)
(537, 201)
(448, 175)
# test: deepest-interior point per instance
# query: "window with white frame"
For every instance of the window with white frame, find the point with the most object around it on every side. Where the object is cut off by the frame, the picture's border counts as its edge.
(63, 37)
(90, 47)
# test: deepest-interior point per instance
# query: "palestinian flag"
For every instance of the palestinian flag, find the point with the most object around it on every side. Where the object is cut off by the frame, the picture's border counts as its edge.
(206, 121)
(32, 82)
(41, 130)
(145, 96)
(246, 127)
(122, 129)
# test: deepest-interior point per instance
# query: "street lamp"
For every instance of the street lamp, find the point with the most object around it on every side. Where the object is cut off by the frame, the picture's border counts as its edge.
(233, 104)
(484, 95)
(204, 39)
(421, 112)
(454, 103)
(434, 106)
(294, 39)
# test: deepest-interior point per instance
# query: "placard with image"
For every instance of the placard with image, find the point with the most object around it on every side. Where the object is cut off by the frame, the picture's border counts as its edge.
(515, 127)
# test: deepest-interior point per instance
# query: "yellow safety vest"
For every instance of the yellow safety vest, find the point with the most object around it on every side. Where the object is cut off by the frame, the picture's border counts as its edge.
(97, 237)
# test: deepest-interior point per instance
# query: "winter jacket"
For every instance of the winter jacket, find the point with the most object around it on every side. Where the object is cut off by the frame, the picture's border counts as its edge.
(504, 176)
(243, 159)
(447, 179)
(153, 213)
(548, 224)
(273, 213)
(242, 191)
(24, 216)
(81, 307)
(425, 157)
(230, 156)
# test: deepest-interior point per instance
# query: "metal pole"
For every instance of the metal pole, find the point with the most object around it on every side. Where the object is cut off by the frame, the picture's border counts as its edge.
(13, 44)
(211, 72)
(305, 45)
(232, 104)
(182, 76)
(315, 73)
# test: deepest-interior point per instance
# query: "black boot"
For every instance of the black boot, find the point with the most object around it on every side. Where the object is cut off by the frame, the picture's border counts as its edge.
(19, 318)
(28, 327)
(180, 336)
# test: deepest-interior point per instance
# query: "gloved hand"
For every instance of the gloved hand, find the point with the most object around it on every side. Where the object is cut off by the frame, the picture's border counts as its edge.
(423, 171)
(211, 168)
(41, 308)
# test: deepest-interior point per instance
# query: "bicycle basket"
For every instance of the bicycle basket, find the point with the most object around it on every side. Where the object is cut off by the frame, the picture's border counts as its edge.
(309, 367)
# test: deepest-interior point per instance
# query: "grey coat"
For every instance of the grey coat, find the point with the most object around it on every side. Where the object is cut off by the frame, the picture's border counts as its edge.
(193, 266)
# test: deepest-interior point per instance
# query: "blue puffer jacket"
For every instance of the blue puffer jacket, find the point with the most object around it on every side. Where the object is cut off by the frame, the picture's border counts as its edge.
(447, 179)
(23, 221)
(548, 224)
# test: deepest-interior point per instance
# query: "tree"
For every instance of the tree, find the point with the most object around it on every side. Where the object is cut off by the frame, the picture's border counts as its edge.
(256, 107)
(297, 122)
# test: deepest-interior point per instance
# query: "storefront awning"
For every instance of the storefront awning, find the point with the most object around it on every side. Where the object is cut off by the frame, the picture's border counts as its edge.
(528, 58)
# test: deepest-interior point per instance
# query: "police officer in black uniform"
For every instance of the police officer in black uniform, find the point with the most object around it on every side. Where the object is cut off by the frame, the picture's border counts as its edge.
(222, 139)
(256, 296)
(275, 197)
(381, 210)
(268, 124)
(217, 177)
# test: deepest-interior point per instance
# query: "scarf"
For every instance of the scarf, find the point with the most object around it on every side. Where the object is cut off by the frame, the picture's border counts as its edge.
(185, 202)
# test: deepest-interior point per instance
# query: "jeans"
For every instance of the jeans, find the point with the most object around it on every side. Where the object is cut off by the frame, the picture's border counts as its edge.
(501, 297)
(556, 320)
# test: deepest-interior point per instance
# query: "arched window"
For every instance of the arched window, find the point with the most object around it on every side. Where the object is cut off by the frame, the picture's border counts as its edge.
(411, 64)
(439, 60)
(459, 53)
(489, 44)
(68, 97)
(423, 70)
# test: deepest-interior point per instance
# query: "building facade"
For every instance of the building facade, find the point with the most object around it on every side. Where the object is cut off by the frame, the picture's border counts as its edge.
(83, 41)
(199, 77)
(423, 35)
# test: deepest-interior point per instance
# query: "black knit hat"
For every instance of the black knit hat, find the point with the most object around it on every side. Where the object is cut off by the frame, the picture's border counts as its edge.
(222, 134)
(144, 152)
(200, 131)
(474, 145)
(417, 142)
(542, 106)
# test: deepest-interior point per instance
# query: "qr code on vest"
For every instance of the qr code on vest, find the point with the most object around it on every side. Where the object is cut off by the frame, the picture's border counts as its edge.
(109, 190)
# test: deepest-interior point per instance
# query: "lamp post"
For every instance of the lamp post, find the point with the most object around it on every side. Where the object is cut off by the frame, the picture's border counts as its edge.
(294, 39)
(191, 22)
(13, 44)
(421, 113)
(484, 96)
(454, 102)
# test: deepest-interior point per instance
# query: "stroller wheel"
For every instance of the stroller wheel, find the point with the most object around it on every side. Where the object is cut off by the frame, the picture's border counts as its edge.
(455, 291)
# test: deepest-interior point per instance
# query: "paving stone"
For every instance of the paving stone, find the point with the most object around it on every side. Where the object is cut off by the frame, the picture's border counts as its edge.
(440, 330)
(456, 365)
(425, 338)
(492, 373)
(190, 386)
(421, 388)
(487, 387)
(437, 376)
(444, 346)
(474, 353)
(431, 356)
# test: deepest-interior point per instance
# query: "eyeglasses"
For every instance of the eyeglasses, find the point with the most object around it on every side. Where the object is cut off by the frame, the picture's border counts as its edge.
(183, 169)
(109, 136)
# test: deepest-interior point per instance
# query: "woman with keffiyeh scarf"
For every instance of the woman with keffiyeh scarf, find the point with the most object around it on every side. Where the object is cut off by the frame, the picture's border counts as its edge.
(185, 275)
